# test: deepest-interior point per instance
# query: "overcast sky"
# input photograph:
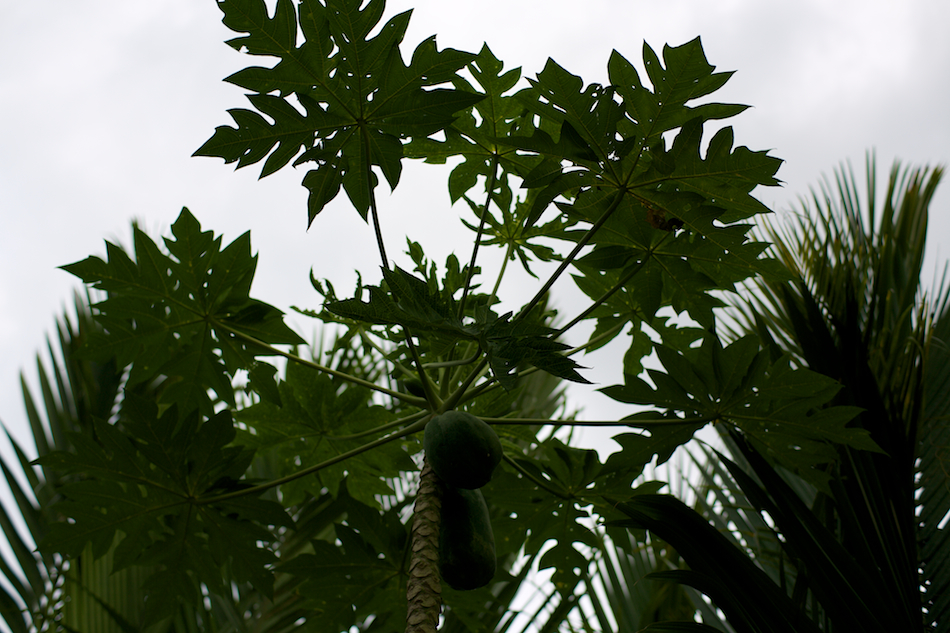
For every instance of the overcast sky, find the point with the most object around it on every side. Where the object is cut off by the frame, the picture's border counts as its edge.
(104, 102)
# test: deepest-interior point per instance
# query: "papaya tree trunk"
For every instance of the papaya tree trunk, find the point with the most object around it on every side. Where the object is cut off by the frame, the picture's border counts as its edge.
(424, 590)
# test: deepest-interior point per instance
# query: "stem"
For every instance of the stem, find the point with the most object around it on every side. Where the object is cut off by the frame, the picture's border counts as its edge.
(424, 587)
(484, 388)
(537, 480)
(379, 234)
(455, 376)
(368, 166)
(491, 298)
(427, 386)
(487, 386)
(367, 340)
(596, 339)
(478, 235)
(501, 274)
(408, 399)
(379, 429)
(619, 285)
(573, 254)
(636, 423)
(254, 490)
(459, 393)
(453, 363)
(426, 383)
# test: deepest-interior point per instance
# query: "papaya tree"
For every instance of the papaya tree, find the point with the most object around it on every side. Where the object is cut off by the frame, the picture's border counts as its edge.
(620, 185)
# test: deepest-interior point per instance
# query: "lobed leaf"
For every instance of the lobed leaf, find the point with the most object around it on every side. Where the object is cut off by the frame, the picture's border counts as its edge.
(783, 410)
(167, 312)
(359, 99)
(143, 487)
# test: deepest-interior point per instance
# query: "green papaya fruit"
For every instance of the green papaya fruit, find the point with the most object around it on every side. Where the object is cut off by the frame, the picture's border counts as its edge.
(466, 542)
(462, 449)
(413, 386)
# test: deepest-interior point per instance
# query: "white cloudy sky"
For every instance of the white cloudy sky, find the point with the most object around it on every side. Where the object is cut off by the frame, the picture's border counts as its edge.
(104, 102)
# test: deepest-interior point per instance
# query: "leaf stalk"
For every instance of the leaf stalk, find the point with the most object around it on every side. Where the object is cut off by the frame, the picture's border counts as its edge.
(407, 398)
(260, 488)
(618, 198)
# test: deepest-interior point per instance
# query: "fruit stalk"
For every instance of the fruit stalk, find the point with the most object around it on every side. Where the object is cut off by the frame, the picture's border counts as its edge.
(424, 590)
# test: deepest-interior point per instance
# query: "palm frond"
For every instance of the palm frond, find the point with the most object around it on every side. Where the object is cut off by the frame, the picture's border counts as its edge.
(934, 470)
(73, 391)
(860, 314)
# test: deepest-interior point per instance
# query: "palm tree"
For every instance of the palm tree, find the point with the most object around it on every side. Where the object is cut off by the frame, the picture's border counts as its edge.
(862, 316)
(867, 551)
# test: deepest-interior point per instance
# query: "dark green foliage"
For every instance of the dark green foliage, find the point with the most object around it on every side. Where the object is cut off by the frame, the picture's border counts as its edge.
(355, 572)
(184, 315)
(509, 343)
(466, 542)
(321, 419)
(145, 491)
(406, 300)
(359, 96)
(857, 548)
(74, 391)
(778, 407)
(463, 450)
(411, 302)
(860, 315)
(748, 596)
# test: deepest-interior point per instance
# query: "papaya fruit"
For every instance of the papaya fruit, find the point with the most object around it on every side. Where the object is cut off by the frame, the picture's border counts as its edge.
(462, 449)
(466, 542)
(413, 387)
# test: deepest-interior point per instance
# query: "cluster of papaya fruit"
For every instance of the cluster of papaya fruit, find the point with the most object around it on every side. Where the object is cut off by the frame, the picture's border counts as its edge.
(464, 451)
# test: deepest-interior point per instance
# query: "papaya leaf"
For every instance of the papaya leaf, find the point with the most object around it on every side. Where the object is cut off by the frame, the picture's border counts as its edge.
(639, 449)
(144, 486)
(509, 343)
(347, 583)
(591, 114)
(600, 143)
(475, 135)
(782, 410)
(357, 97)
(686, 77)
(533, 515)
(168, 311)
(360, 575)
(408, 301)
(517, 236)
(319, 420)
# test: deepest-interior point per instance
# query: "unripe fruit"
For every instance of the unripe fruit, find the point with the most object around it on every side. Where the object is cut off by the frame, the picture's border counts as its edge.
(466, 542)
(462, 449)
(413, 387)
